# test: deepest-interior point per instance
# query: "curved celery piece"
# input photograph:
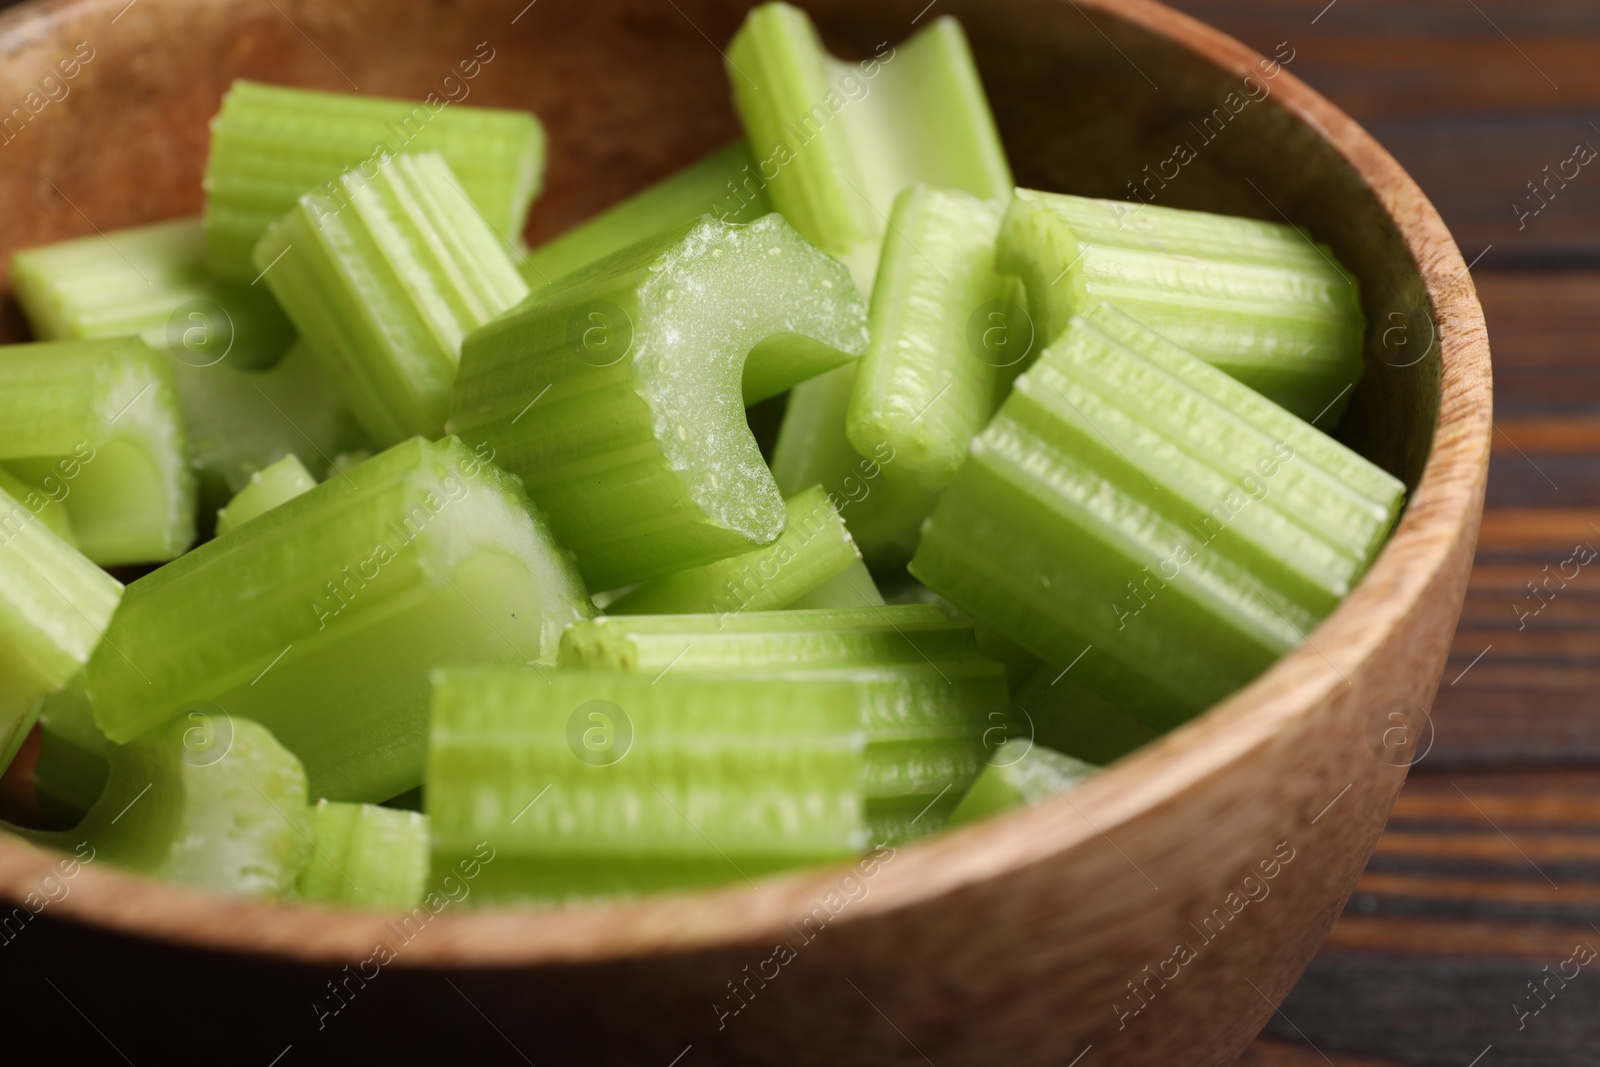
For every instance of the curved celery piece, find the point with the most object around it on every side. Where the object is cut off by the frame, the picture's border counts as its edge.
(322, 618)
(95, 425)
(815, 548)
(1138, 508)
(271, 144)
(269, 487)
(50, 512)
(207, 802)
(365, 856)
(843, 139)
(1073, 719)
(615, 394)
(385, 283)
(55, 606)
(593, 783)
(725, 184)
(1021, 773)
(149, 281)
(945, 348)
(1259, 300)
(928, 698)
(73, 754)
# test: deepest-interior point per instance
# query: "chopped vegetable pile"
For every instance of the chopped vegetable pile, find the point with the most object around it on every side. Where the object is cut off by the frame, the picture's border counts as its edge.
(456, 554)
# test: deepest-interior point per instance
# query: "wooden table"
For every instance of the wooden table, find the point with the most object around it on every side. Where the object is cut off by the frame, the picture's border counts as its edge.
(1488, 878)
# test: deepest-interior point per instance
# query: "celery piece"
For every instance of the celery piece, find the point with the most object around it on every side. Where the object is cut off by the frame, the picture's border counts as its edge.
(149, 282)
(843, 139)
(272, 144)
(48, 511)
(15, 734)
(1259, 300)
(365, 856)
(73, 754)
(385, 287)
(1021, 773)
(321, 618)
(927, 696)
(1135, 506)
(595, 783)
(55, 606)
(205, 801)
(852, 587)
(723, 184)
(1071, 718)
(813, 549)
(948, 336)
(95, 426)
(277, 484)
(615, 393)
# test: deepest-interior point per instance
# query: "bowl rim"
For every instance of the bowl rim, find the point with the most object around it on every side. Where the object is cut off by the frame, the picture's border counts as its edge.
(1442, 512)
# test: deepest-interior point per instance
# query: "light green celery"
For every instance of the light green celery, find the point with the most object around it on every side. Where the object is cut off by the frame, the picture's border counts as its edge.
(269, 487)
(928, 698)
(1073, 719)
(149, 282)
(240, 421)
(50, 512)
(884, 513)
(385, 284)
(593, 783)
(1020, 773)
(271, 144)
(95, 425)
(1259, 300)
(725, 184)
(615, 394)
(365, 856)
(948, 336)
(815, 548)
(73, 754)
(346, 461)
(852, 587)
(54, 607)
(843, 139)
(322, 618)
(1138, 507)
(207, 802)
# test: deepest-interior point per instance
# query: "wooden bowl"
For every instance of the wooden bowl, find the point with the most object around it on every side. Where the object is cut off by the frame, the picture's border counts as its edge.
(1190, 884)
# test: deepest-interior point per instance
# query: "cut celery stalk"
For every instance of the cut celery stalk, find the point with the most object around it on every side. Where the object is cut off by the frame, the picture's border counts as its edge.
(71, 772)
(385, 288)
(927, 696)
(843, 139)
(207, 802)
(814, 549)
(149, 282)
(883, 513)
(1071, 718)
(13, 737)
(852, 587)
(48, 511)
(55, 606)
(321, 618)
(594, 783)
(95, 425)
(1020, 773)
(948, 336)
(272, 144)
(1259, 300)
(1132, 501)
(615, 394)
(269, 487)
(365, 856)
(725, 184)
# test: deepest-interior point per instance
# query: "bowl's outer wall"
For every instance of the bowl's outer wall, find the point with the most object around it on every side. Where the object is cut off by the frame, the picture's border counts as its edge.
(1019, 942)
